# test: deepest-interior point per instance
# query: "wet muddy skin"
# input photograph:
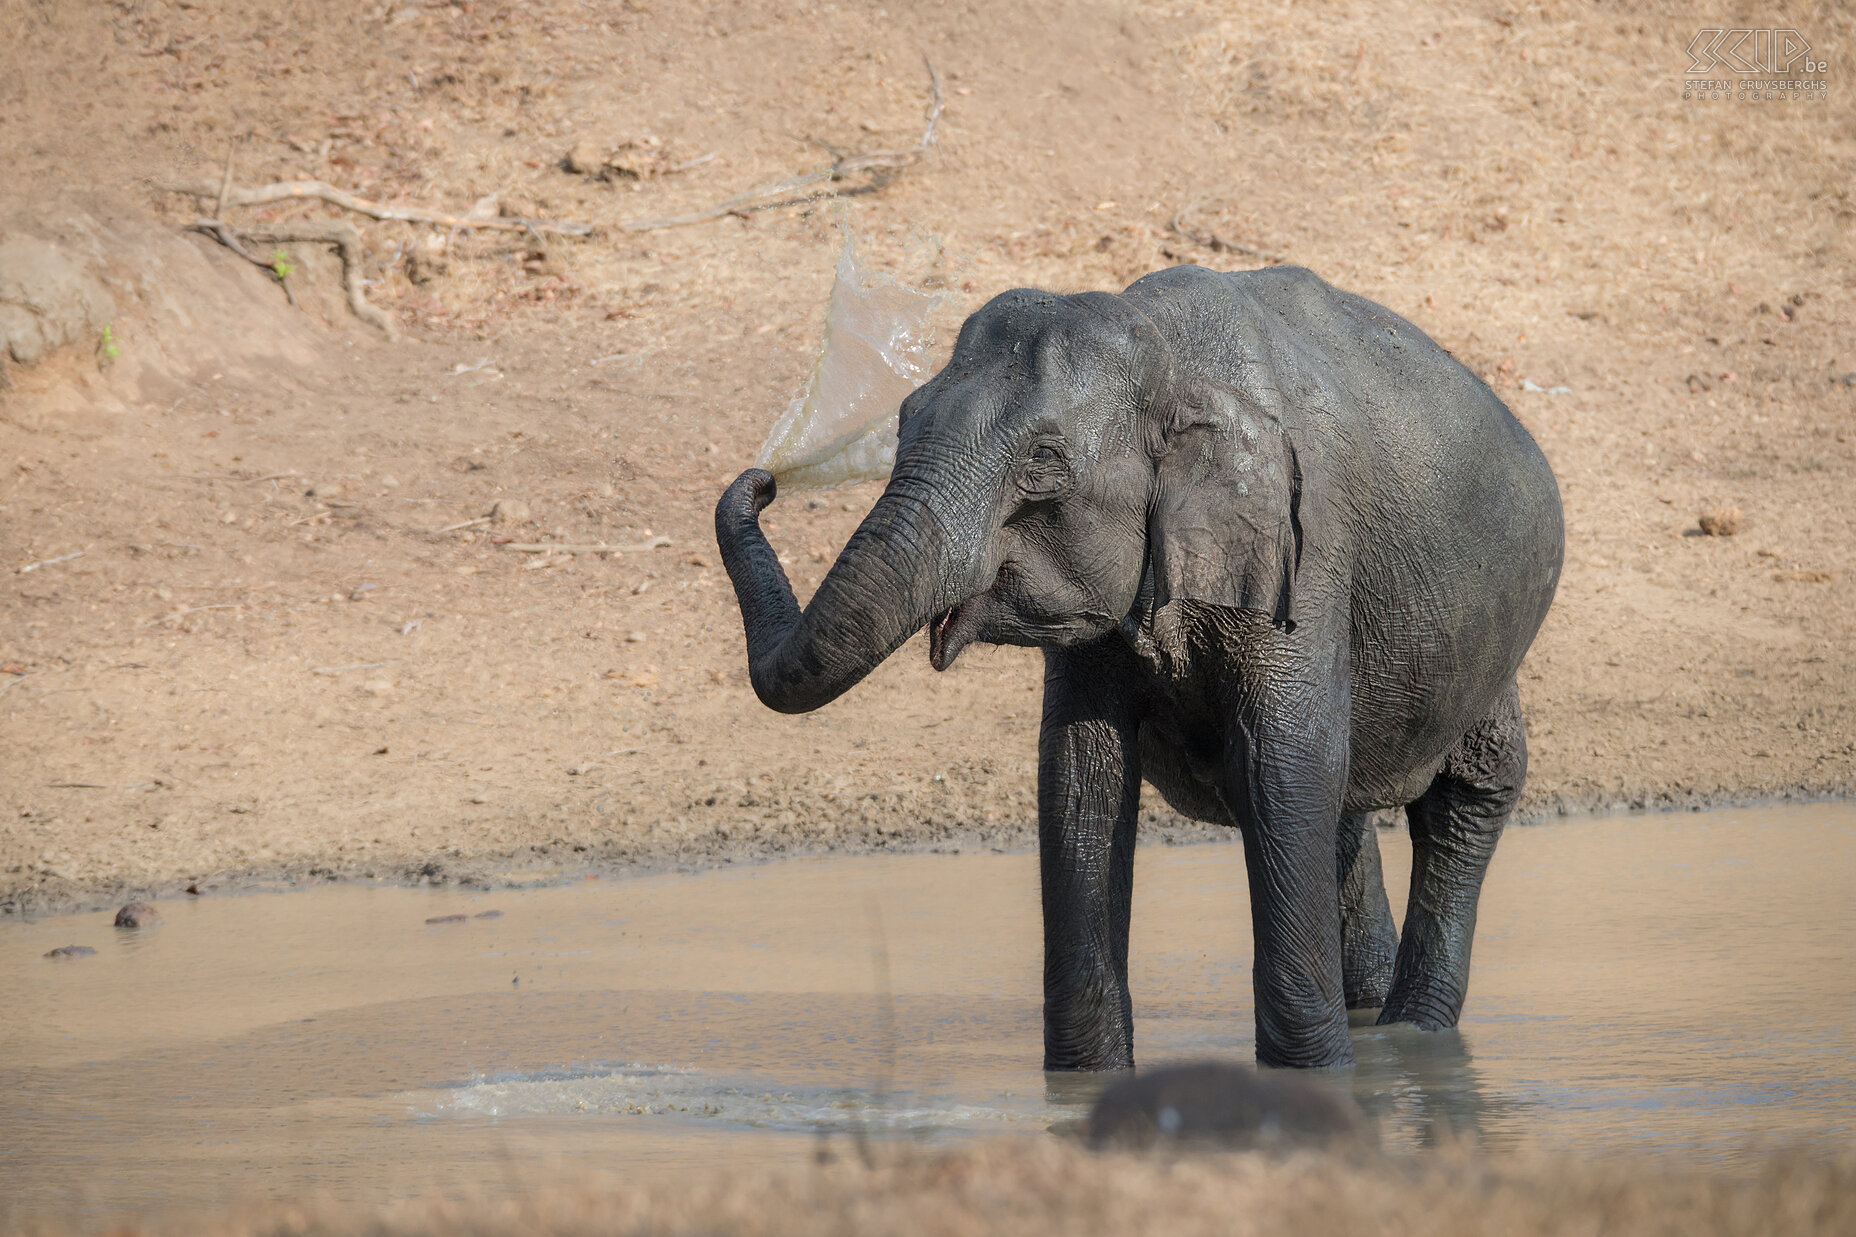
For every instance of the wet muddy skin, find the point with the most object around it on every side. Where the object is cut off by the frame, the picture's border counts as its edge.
(1671, 987)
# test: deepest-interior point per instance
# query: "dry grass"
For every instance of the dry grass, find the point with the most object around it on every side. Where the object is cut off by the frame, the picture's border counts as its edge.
(1030, 1187)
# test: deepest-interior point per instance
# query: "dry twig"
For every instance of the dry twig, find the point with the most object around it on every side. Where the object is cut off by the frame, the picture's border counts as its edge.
(760, 196)
(292, 190)
(47, 562)
(549, 547)
(225, 183)
(1214, 242)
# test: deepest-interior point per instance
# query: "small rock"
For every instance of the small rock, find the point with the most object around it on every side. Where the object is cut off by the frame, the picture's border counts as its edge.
(488, 915)
(138, 915)
(1720, 521)
(509, 511)
(326, 489)
(70, 951)
(1225, 1105)
(585, 159)
(377, 687)
(448, 919)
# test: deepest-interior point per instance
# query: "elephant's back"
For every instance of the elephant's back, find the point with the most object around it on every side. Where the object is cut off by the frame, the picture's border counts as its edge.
(1427, 455)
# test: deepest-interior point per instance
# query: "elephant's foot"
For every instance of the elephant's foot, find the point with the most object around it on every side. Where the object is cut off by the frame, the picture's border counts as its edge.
(1091, 1029)
(1088, 1046)
(1428, 1011)
(1313, 1044)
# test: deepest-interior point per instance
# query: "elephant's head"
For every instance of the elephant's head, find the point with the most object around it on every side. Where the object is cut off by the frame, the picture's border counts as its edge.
(1063, 456)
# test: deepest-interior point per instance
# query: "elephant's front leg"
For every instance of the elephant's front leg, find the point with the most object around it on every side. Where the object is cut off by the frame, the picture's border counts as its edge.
(1089, 784)
(1287, 752)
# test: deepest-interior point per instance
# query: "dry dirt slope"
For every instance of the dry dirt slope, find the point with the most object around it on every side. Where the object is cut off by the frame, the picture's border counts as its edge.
(1528, 185)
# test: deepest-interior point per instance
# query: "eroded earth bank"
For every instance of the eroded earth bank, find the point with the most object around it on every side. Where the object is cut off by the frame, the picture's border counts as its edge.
(264, 615)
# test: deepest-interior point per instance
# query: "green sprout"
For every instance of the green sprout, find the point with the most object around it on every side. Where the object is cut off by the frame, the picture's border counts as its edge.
(107, 347)
(281, 266)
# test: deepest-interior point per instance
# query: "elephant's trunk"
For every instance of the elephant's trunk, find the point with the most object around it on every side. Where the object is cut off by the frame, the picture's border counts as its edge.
(883, 588)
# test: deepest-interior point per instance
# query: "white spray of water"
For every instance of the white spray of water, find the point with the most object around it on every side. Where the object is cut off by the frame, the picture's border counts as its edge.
(843, 429)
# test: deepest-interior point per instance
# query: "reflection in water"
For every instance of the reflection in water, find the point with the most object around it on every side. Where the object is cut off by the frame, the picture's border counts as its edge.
(1075, 1094)
(1664, 987)
(1421, 1087)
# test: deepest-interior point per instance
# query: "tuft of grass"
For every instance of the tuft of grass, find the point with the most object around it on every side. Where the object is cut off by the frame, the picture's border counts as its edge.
(107, 347)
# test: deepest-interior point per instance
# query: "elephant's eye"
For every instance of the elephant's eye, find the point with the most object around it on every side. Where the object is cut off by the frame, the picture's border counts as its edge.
(1046, 472)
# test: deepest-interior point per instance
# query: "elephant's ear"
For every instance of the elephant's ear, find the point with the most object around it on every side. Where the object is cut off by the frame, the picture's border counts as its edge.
(1226, 523)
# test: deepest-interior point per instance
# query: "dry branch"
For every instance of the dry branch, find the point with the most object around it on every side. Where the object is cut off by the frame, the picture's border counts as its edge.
(292, 190)
(550, 547)
(846, 165)
(1214, 242)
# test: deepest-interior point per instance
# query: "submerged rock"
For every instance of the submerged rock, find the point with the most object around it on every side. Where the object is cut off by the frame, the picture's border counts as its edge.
(70, 951)
(1227, 1106)
(138, 915)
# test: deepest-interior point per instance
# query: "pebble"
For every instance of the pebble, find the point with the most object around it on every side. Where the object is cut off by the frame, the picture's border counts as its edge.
(448, 919)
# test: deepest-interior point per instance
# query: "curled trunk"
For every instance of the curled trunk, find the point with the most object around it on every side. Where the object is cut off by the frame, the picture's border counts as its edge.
(881, 591)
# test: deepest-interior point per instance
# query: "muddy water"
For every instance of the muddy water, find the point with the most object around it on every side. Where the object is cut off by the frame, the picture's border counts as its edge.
(1673, 987)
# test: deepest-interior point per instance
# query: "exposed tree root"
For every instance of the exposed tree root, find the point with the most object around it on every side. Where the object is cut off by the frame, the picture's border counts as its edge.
(343, 236)
(292, 190)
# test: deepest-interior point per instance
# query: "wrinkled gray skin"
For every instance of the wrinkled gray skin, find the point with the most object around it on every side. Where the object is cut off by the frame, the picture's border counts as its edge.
(1283, 555)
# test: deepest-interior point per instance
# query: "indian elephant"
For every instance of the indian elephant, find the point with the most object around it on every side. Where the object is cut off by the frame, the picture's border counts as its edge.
(1283, 554)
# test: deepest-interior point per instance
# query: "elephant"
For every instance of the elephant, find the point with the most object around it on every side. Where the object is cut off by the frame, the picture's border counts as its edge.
(1283, 555)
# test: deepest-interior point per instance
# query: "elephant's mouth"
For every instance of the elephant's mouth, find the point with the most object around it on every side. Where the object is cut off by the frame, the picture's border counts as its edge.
(960, 625)
(952, 630)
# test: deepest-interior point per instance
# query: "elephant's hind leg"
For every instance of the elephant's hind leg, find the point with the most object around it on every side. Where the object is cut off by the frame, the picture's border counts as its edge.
(1454, 827)
(1368, 939)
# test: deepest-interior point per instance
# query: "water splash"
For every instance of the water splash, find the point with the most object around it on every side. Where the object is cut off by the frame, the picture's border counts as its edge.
(842, 430)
